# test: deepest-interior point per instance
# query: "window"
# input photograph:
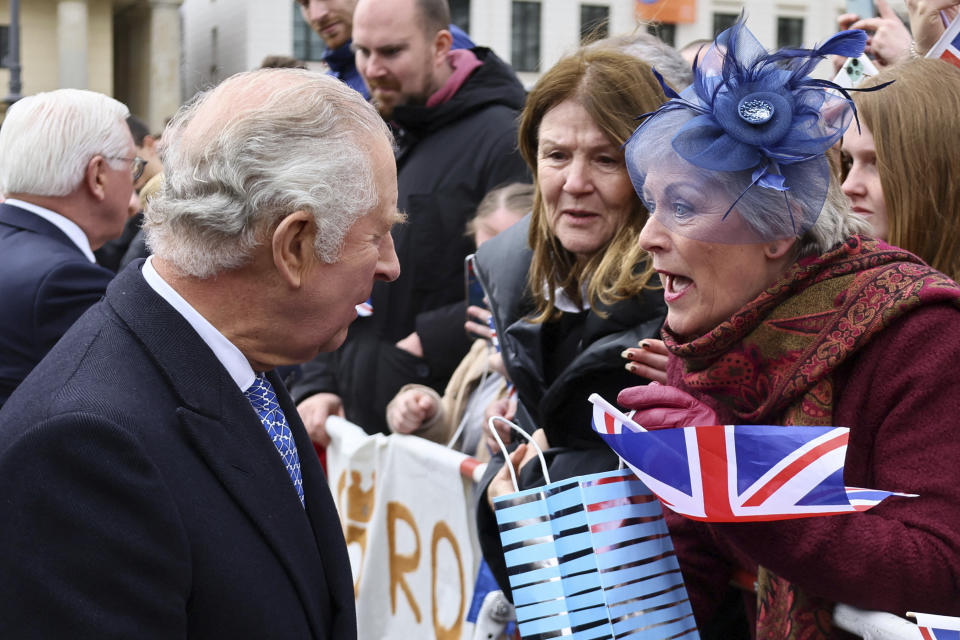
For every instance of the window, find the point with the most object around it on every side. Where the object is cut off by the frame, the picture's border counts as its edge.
(4, 46)
(722, 21)
(665, 31)
(307, 45)
(525, 36)
(789, 32)
(594, 22)
(460, 14)
(214, 57)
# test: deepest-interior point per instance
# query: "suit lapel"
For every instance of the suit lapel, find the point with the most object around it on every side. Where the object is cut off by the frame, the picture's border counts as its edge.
(226, 432)
(324, 519)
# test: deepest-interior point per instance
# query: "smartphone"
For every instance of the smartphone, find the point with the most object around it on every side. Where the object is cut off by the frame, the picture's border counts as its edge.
(862, 8)
(854, 70)
(474, 289)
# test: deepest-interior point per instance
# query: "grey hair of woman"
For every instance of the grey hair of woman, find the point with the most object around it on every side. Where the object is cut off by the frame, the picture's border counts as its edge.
(762, 209)
(232, 177)
(655, 52)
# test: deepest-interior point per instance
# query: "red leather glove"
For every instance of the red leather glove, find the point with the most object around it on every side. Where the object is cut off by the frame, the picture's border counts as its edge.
(661, 407)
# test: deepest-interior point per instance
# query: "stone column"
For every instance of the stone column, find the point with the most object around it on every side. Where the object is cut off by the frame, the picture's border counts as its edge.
(165, 49)
(72, 43)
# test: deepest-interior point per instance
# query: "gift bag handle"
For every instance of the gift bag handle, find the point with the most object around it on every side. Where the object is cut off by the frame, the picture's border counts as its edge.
(528, 437)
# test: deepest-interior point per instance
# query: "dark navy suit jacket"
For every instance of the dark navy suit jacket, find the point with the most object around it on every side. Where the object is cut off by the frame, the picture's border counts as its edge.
(46, 283)
(141, 497)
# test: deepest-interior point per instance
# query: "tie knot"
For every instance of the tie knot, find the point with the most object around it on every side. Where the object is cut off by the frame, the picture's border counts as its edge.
(261, 395)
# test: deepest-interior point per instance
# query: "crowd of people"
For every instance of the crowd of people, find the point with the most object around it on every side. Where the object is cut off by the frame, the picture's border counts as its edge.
(722, 241)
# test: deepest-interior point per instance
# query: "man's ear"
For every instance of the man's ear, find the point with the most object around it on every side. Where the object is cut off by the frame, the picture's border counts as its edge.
(95, 178)
(442, 43)
(292, 244)
(777, 249)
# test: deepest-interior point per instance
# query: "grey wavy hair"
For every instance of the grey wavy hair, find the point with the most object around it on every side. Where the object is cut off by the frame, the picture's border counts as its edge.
(303, 147)
(48, 139)
(655, 52)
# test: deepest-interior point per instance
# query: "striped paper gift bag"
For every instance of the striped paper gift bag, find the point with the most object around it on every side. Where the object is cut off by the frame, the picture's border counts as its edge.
(589, 558)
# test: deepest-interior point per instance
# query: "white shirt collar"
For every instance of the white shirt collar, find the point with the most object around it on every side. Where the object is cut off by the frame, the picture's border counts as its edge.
(229, 356)
(68, 226)
(563, 302)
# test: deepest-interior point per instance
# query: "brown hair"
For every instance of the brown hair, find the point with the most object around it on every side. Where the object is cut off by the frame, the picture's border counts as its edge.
(433, 16)
(916, 131)
(614, 88)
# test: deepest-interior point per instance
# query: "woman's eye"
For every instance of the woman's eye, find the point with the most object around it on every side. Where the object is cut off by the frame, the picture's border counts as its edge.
(682, 211)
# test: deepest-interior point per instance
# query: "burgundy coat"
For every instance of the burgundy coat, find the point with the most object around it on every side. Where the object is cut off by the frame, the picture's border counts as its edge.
(900, 396)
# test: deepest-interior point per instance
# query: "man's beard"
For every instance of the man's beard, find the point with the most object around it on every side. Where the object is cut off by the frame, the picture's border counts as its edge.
(402, 99)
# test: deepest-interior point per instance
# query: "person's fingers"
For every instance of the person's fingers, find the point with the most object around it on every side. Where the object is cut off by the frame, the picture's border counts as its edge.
(846, 19)
(649, 360)
(502, 483)
(884, 10)
(477, 329)
(869, 24)
(479, 313)
(654, 346)
(654, 373)
(427, 405)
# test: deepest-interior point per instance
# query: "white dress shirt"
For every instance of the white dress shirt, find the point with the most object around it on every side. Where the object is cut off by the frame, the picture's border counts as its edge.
(229, 356)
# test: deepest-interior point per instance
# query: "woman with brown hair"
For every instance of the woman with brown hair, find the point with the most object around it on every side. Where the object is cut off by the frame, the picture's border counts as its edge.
(568, 286)
(901, 168)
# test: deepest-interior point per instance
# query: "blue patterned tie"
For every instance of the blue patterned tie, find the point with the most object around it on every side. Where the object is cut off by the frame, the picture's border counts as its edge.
(264, 401)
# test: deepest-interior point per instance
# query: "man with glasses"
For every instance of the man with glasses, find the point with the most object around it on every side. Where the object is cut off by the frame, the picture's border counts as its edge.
(147, 180)
(67, 168)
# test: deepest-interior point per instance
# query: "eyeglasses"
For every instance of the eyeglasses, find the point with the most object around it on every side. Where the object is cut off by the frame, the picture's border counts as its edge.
(137, 165)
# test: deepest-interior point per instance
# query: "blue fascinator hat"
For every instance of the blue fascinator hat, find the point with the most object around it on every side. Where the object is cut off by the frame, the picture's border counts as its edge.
(749, 136)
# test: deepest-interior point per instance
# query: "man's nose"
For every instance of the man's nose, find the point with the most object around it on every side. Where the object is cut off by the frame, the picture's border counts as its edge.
(388, 267)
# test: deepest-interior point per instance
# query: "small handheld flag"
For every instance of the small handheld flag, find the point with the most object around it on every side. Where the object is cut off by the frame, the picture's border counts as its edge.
(933, 627)
(736, 473)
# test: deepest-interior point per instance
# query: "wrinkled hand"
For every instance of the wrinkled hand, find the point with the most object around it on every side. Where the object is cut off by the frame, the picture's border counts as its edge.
(505, 408)
(660, 407)
(410, 409)
(925, 21)
(888, 39)
(648, 361)
(411, 344)
(480, 324)
(314, 412)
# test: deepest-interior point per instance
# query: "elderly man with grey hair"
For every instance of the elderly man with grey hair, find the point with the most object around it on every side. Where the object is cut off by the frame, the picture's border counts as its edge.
(156, 480)
(66, 158)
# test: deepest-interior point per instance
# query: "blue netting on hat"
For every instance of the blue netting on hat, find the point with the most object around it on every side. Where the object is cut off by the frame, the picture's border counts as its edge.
(754, 127)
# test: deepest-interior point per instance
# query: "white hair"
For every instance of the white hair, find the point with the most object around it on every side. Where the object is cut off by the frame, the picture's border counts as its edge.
(655, 52)
(836, 223)
(304, 146)
(48, 139)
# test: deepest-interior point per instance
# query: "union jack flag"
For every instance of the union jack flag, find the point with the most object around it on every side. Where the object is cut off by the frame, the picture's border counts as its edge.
(947, 48)
(365, 309)
(934, 627)
(735, 473)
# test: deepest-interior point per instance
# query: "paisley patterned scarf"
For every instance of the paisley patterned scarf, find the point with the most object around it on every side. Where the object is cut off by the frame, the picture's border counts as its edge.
(773, 363)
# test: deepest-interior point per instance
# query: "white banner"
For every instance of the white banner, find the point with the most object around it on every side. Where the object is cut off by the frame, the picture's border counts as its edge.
(409, 526)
